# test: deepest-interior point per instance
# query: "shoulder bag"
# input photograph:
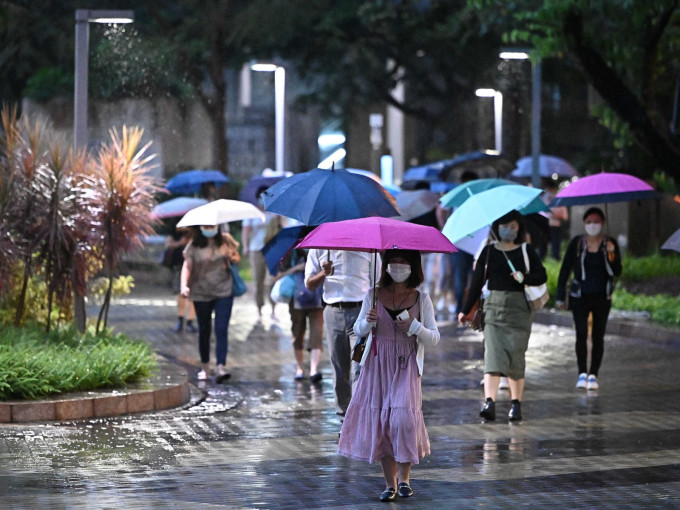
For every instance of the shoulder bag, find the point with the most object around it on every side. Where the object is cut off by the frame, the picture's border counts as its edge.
(537, 295)
(238, 286)
(475, 317)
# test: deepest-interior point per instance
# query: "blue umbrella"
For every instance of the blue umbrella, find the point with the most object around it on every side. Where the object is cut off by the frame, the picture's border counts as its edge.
(428, 172)
(249, 191)
(320, 196)
(185, 183)
(280, 245)
(548, 166)
(484, 208)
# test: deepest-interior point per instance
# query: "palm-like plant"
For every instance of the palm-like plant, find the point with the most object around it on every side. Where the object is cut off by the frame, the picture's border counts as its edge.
(122, 194)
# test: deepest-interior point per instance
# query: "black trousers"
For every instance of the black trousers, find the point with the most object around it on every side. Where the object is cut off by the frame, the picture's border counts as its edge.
(581, 308)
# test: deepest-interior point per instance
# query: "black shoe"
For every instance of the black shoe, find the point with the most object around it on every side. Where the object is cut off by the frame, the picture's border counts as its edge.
(190, 327)
(179, 325)
(388, 495)
(316, 377)
(488, 411)
(515, 413)
(404, 490)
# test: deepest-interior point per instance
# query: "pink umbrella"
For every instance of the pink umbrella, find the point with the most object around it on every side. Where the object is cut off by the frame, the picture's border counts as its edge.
(375, 234)
(602, 188)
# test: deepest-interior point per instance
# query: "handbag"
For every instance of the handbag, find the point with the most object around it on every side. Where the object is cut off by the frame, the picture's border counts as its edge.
(475, 318)
(537, 295)
(238, 286)
(305, 298)
(358, 349)
(283, 289)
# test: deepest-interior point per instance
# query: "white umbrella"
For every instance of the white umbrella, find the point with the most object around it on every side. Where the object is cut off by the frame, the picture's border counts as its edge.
(176, 207)
(220, 211)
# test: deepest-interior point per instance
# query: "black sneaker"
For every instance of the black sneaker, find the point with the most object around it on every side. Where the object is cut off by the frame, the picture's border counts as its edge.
(388, 495)
(191, 328)
(488, 411)
(515, 413)
(404, 490)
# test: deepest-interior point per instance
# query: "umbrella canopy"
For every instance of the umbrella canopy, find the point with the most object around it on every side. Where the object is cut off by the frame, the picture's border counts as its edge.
(484, 208)
(176, 207)
(416, 204)
(548, 166)
(394, 190)
(457, 196)
(319, 196)
(673, 242)
(603, 188)
(376, 234)
(191, 181)
(486, 164)
(280, 245)
(429, 172)
(249, 191)
(220, 211)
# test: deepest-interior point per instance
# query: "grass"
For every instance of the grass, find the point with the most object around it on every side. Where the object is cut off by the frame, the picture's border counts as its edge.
(35, 364)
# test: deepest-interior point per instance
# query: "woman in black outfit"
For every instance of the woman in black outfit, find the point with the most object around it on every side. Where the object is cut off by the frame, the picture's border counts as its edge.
(594, 260)
(507, 315)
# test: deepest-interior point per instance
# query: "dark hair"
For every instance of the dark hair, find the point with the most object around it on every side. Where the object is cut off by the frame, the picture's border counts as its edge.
(513, 215)
(593, 210)
(414, 260)
(200, 241)
(468, 175)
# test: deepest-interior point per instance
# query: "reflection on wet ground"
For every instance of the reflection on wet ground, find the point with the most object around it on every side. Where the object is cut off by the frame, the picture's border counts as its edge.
(263, 440)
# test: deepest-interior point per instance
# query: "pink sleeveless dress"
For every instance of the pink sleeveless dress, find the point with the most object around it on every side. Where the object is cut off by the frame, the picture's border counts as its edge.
(385, 416)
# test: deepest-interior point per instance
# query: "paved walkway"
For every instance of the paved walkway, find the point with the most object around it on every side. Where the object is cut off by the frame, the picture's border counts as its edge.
(265, 441)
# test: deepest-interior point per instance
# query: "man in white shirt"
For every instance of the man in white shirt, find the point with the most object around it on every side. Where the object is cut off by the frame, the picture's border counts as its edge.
(346, 277)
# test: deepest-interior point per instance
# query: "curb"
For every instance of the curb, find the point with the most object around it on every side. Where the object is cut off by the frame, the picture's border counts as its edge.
(167, 389)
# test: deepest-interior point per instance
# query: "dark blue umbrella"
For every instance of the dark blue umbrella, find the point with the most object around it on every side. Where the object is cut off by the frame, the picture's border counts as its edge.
(320, 196)
(185, 183)
(429, 172)
(280, 245)
(249, 193)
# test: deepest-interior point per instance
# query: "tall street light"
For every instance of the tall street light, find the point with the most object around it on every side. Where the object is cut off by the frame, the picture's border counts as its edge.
(497, 114)
(535, 109)
(83, 18)
(279, 109)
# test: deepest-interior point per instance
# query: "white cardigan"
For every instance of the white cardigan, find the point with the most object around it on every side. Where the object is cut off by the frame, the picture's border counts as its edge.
(425, 330)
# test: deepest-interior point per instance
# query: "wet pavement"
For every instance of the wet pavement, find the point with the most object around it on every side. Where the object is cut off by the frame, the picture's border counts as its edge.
(263, 440)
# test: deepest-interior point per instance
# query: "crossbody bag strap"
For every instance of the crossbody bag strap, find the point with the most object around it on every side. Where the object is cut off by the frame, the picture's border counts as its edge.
(527, 265)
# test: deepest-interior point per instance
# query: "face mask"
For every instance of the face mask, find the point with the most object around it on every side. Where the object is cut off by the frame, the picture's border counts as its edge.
(507, 234)
(399, 272)
(592, 229)
(212, 232)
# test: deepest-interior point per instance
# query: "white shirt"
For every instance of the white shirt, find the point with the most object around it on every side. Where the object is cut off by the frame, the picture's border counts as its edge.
(352, 273)
(258, 230)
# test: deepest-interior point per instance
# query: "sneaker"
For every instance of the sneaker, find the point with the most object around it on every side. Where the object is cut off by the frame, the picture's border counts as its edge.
(592, 382)
(504, 385)
(179, 325)
(222, 373)
(202, 375)
(191, 328)
(582, 381)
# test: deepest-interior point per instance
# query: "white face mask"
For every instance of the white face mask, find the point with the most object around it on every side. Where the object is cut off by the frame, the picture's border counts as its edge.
(399, 272)
(593, 229)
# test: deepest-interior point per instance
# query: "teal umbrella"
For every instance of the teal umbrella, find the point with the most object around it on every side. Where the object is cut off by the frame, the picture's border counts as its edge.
(482, 209)
(462, 192)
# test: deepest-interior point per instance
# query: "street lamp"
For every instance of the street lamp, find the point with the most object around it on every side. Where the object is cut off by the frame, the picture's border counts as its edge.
(279, 108)
(535, 109)
(83, 18)
(497, 114)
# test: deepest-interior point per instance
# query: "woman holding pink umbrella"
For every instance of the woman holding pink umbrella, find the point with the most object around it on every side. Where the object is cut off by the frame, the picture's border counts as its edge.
(384, 420)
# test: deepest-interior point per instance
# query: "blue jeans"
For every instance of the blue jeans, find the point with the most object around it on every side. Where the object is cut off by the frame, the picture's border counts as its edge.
(204, 310)
(462, 268)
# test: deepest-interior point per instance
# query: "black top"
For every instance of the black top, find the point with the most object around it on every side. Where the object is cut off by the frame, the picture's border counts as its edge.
(595, 266)
(498, 272)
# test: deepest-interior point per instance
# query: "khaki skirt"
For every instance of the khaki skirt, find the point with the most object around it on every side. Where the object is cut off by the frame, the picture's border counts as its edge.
(507, 328)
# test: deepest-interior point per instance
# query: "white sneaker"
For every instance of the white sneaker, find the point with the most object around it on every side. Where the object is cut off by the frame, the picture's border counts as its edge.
(222, 373)
(504, 385)
(582, 381)
(202, 375)
(592, 382)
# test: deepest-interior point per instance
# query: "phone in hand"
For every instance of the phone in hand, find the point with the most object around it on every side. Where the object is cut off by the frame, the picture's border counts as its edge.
(403, 315)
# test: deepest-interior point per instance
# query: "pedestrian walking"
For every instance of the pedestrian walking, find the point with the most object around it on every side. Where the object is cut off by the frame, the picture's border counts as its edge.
(346, 277)
(507, 315)
(254, 235)
(173, 259)
(384, 420)
(594, 260)
(206, 279)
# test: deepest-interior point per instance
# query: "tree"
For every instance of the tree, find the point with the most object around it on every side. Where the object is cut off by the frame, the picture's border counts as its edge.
(627, 51)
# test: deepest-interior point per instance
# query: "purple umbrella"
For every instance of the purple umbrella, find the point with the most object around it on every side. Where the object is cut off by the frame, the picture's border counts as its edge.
(603, 188)
(673, 242)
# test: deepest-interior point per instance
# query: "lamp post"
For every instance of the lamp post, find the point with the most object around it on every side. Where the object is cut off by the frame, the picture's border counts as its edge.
(279, 109)
(83, 18)
(497, 114)
(535, 109)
